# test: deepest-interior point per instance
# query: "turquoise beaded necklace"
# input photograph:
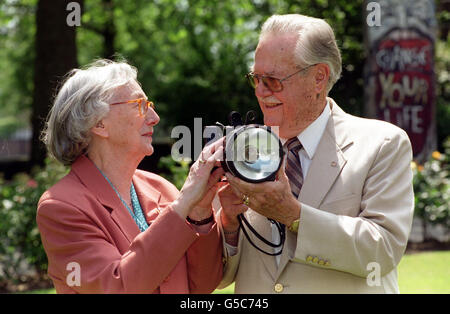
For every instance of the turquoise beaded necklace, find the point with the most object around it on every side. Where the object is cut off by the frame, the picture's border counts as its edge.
(136, 213)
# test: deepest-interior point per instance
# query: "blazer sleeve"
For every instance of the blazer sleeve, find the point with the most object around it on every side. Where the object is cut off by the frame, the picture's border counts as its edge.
(204, 261)
(204, 255)
(69, 235)
(380, 233)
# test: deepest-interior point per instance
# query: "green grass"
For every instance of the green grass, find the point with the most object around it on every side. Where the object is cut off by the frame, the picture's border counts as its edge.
(40, 291)
(425, 273)
(227, 290)
(418, 273)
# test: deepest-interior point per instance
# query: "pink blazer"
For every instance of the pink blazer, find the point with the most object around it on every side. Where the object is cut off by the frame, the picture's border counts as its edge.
(82, 220)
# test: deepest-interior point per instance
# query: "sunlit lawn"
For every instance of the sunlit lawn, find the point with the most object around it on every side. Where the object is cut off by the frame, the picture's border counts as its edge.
(425, 273)
(418, 273)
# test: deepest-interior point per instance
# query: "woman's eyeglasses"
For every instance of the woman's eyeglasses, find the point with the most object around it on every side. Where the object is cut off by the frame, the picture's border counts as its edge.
(272, 83)
(143, 104)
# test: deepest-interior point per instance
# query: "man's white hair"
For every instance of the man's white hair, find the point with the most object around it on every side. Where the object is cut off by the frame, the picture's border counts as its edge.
(315, 43)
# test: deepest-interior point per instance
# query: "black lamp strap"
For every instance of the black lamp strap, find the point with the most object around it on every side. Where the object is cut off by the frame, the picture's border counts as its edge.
(243, 220)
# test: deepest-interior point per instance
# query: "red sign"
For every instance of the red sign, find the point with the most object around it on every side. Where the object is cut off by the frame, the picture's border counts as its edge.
(404, 85)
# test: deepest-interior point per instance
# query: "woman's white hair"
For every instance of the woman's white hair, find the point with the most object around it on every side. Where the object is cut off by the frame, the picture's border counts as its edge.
(82, 101)
(315, 43)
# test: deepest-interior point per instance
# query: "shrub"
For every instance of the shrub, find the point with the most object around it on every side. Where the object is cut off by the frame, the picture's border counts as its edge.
(432, 187)
(178, 170)
(21, 249)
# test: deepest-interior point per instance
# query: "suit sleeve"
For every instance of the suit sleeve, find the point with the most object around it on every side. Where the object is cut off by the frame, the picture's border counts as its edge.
(230, 262)
(380, 233)
(72, 236)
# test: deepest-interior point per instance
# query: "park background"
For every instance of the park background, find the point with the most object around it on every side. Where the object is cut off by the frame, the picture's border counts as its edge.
(192, 57)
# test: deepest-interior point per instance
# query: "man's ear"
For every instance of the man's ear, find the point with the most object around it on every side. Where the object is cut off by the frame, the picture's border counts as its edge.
(100, 130)
(322, 76)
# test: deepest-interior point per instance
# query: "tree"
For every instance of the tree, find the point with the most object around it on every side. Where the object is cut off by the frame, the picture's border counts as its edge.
(56, 54)
(102, 24)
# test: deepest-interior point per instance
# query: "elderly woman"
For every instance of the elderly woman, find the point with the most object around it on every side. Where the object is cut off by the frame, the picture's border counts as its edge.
(107, 227)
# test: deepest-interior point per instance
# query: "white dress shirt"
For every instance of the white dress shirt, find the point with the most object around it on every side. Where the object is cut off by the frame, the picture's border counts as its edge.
(310, 138)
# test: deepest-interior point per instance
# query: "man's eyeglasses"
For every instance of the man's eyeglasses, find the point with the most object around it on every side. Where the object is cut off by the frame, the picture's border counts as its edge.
(272, 83)
(143, 104)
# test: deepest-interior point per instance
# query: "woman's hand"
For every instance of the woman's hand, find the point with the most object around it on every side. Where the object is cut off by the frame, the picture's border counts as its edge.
(203, 209)
(199, 188)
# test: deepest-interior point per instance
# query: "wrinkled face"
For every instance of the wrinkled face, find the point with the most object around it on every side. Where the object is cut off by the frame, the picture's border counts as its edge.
(128, 131)
(295, 107)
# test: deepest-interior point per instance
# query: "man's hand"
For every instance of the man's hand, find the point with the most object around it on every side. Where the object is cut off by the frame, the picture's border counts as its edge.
(272, 199)
(232, 206)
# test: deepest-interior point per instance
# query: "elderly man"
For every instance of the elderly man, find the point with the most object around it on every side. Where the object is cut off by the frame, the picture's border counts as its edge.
(345, 192)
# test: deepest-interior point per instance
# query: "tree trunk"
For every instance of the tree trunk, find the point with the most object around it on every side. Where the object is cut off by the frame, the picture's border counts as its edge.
(56, 54)
(109, 30)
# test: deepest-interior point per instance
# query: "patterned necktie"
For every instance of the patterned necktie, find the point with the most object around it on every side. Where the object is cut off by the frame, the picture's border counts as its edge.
(293, 168)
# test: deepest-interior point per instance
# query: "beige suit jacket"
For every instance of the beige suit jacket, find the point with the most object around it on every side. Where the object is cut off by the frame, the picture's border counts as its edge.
(357, 206)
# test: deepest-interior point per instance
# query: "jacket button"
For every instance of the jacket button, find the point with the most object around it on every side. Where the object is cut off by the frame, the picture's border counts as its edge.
(278, 288)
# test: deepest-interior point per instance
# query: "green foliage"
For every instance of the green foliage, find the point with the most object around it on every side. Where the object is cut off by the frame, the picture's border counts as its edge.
(18, 204)
(9, 124)
(192, 55)
(17, 30)
(442, 68)
(178, 170)
(432, 188)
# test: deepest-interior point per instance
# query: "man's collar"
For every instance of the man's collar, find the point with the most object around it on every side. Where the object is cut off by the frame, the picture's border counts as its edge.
(310, 137)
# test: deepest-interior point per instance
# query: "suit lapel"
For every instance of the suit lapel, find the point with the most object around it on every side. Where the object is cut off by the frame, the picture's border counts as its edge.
(94, 181)
(126, 223)
(327, 163)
